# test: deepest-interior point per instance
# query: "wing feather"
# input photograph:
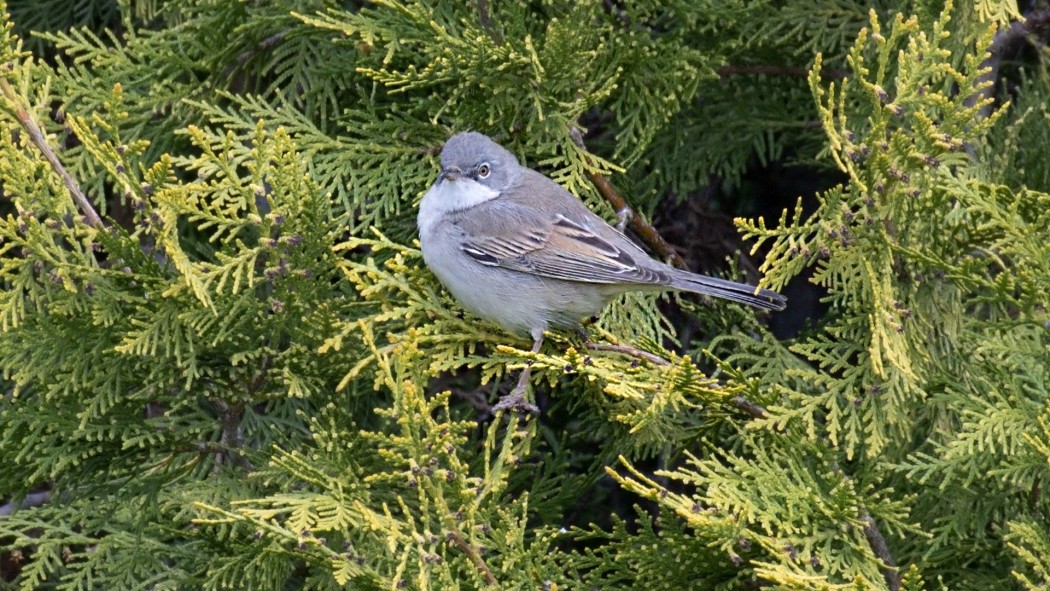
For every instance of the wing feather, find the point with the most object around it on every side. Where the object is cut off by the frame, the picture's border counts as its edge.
(571, 246)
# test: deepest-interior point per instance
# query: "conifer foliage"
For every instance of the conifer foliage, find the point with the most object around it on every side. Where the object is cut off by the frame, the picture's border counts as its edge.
(225, 365)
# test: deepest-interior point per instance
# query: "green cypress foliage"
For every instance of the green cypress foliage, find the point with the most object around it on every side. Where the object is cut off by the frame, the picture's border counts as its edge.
(225, 366)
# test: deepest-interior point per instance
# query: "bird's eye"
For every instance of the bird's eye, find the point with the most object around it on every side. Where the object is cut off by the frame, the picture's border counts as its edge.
(484, 169)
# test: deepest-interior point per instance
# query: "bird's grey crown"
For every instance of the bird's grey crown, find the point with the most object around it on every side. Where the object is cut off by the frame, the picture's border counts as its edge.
(465, 152)
(470, 148)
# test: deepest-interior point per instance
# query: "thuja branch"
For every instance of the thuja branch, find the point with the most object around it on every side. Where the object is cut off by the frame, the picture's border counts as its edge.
(36, 135)
(474, 555)
(628, 351)
(882, 550)
(756, 411)
(645, 231)
(1032, 29)
(455, 537)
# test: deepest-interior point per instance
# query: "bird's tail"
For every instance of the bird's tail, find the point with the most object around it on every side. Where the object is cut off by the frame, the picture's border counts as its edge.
(728, 290)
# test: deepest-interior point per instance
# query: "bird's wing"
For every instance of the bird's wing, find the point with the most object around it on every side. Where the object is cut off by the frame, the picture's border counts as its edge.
(571, 244)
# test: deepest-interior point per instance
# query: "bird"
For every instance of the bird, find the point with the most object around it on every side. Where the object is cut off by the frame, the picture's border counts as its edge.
(516, 248)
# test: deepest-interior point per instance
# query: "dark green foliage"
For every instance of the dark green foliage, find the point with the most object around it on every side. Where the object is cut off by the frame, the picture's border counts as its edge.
(245, 377)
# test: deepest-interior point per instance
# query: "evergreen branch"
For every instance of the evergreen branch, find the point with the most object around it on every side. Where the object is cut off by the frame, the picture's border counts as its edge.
(473, 554)
(882, 550)
(755, 410)
(40, 141)
(642, 228)
(1036, 22)
(925, 369)
(629, 351)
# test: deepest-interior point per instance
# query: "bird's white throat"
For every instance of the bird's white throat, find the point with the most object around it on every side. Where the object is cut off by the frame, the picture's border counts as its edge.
(448, 195)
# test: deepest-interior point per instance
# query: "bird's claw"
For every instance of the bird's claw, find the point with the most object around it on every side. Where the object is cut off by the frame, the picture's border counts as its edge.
(515, 401)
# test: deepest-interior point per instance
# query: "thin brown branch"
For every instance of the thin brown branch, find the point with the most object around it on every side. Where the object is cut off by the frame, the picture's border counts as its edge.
(474, 555)
(263, 45)
(476, 398)
(259, 379)
(203, 448)
(36, 135)
(485, 18)
(232, 438)
(755, 410)
(882, 550)
(643, 229)
(629, 351)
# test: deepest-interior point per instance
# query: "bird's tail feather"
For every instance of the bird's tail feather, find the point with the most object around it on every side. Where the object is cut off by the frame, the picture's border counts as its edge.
(728, 290)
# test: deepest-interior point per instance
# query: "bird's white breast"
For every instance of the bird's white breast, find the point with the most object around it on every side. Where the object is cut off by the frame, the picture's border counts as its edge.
(521, 302)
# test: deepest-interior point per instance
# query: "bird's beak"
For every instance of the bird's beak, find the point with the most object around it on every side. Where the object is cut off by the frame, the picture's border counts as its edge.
(450, 174)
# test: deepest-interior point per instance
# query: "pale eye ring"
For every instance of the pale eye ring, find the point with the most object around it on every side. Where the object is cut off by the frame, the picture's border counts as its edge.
(484, 170)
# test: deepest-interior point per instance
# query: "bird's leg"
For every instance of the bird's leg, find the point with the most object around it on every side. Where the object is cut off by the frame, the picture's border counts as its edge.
(515, 400)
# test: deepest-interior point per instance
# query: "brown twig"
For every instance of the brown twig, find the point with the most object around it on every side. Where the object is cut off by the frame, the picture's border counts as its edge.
(249, 54)
(643, 229)
(474, 555)
(476, 398)
(882, 550)
(232, 438)
(36, 135)
(629, 351)
(755, 410)
(203, 448)
(259, 379)
(485, 18)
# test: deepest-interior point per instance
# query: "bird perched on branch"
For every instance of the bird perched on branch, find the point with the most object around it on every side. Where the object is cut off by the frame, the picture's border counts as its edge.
(517, 248)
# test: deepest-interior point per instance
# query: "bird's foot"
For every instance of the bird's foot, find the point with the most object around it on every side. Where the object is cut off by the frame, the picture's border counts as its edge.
(516, 402)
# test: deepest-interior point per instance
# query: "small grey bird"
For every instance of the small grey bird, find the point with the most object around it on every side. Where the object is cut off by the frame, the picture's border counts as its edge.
(516, 248)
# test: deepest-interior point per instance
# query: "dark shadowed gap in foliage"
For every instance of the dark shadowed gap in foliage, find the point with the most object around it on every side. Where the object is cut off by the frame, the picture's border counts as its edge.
(775, 188)
(701, 228)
